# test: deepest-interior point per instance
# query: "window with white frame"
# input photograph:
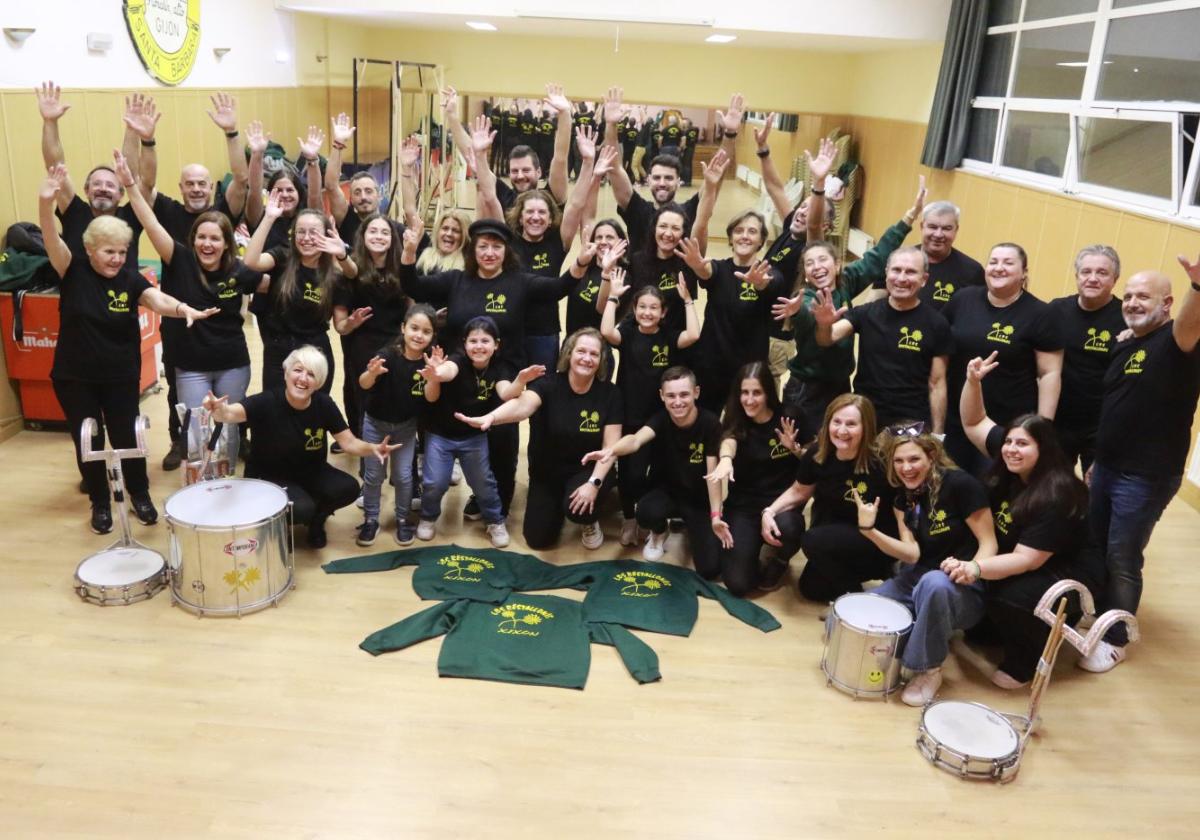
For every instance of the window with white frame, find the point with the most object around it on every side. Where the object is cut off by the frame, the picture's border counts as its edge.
(1099, 98)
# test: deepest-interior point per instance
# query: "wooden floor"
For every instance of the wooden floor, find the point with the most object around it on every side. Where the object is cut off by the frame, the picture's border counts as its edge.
(146, 721)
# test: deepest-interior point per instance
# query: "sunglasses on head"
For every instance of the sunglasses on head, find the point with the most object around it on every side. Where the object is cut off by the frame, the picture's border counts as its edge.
(906, 429)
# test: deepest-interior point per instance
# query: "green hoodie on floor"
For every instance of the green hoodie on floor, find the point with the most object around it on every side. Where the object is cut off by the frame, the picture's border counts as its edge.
(527, 639)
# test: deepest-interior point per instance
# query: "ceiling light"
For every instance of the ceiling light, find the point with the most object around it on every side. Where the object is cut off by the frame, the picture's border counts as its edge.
(482, 26)
(720, 39)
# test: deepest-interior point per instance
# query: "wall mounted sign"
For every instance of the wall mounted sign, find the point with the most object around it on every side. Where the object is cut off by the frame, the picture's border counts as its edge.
(166, 36)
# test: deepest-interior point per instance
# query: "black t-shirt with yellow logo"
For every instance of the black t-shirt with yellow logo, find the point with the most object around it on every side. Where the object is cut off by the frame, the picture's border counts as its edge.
(581, 302)
(737, 319)
(1150, 394)
(568, 425)
(896, 350)
(949, 277)
(644, 358)
(472, 392)
(303, 316)
(1050, 529)
(219, 341)
(399, 394)
(762, 468)
(941, 529)
(832, 482)
(543, 258)
(1017, 332)
(289, 443)
(1089, 340)
(99, 338)
(678, 455)
(646, 270)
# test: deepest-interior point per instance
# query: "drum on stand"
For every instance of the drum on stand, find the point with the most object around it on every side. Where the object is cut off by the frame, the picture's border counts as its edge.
(864, 637)
(120, 575)
(230, 546)
(971, 740)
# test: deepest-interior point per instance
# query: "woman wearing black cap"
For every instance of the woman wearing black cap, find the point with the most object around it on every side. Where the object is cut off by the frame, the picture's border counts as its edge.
(490, 283)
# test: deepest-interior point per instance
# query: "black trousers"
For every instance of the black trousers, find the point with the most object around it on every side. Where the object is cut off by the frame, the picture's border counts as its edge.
(740, 567)
(661, 504)
(1078, 444)
(686, 162)
(716, 381)
(838, 558)
(314, 497)
(355, 355)
(632, 477)
(114, 405)
(503, 447)
(1010, 603)
(174, 423)
(276, 348)
(806, 400)
(547, 505)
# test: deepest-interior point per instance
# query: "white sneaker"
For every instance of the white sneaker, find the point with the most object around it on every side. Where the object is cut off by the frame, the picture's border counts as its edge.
(630, 533)
(498, 534)
(593, 537)
(359, 502)
(426, 528)
(1103, 658)
(456, 475)
(922, 688)
(655, 546)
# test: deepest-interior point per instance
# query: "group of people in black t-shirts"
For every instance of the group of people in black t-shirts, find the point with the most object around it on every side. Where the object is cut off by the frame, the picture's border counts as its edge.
(971, 404)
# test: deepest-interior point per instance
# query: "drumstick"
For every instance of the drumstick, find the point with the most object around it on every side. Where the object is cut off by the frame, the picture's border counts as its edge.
(1045, 664)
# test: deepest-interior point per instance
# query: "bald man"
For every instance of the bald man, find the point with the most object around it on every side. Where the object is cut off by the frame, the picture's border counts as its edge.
(196, 190)
(1151, 389)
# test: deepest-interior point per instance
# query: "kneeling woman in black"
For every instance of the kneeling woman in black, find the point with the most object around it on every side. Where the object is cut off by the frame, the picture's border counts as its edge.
(290, 429)
(1039, 507)
(573, 412)
(758, 459)
(838, 558)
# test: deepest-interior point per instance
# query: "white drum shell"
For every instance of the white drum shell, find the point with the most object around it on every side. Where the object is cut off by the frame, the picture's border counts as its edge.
(865, 636)
(230, 546)
(969, 740)
(120, 575)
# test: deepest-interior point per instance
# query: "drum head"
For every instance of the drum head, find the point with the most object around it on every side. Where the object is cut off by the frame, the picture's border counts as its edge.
(120, 566)
(872, 613)
(231, 502)
(971, 729)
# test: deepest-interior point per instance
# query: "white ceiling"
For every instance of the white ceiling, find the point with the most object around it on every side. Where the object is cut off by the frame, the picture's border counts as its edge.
(842, 25)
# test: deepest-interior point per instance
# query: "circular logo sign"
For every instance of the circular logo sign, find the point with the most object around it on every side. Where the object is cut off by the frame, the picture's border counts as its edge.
(166, 36)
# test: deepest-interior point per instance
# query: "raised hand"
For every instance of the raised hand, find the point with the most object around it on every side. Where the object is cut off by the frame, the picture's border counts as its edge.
(689, 251)
(685, 294)
(820, 165)
(721, 529)
(723, 471)
(449, 100)
(606, 162)
(978, 368)
(410, 153)
(527, 375)
(823, 310)
(731, 120)
(588, 253)
(224, 112)
(614, 108)
(714, 169)
(433, 359)
(556, 100)
(787, 432)
(761, 134)
(585, 142)
(357, 317)
(274, 208)
(482, 134)
(758, 274)
(616, 282)
(310, 147)
(1191, 269)
(56, 176)
(613, 255)
(331, 243)
(50, 104)
(919, 200)
(341, 132)
(121, 167)
(867, 511)
(256, 138)
(412, 236)
(377, 366)
(786, 307)
(141, 115)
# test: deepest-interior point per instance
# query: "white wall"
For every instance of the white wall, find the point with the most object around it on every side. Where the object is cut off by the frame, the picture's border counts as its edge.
(252, 29)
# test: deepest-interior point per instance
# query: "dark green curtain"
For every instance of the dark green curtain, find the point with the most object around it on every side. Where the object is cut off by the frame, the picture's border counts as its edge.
(949, 119)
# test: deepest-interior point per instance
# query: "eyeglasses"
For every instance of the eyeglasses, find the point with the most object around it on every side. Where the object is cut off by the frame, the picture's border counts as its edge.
(906, 429)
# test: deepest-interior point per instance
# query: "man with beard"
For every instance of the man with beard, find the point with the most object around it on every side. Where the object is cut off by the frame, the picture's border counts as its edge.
(196, 189)
(665, 171)
(364, 189)
(1150, 393)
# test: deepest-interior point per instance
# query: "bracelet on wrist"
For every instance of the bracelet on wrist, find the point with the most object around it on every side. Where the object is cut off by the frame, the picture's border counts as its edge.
(816, 191)
(339, 146)
(580, 263)
(978, 570)
(232, 134)
(613, 299)
(866, 527)
(714, 514)
(148, 143)
(731, 135)
(730, 457)
(762, 153)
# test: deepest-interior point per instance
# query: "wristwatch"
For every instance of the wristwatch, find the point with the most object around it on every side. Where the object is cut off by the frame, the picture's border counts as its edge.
(595, 482)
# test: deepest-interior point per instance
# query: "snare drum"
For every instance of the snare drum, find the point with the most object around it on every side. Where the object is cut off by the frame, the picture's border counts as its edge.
(970, 740)
(230, 549)
(864, 636)
(120, 575)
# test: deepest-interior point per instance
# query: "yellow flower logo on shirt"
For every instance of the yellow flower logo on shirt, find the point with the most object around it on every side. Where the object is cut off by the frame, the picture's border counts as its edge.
(910, 340)
(312, 293)
(465, 568)
(418, 385)
(1001, 334)
(660, 356)
(1097, 340)
(590, 422)
(1004, 519)
(748, 293)
(118, 302)
(696, 453)
(517, 619)
(314, 440)
(227, 288)
(495, 303)
(778, 449)
(942, 292)
(937, 523)
(540, 261)
(588, 294)
(1134, 365)
(642, 584)
(484, 389)
(851, 486)
(667, 282)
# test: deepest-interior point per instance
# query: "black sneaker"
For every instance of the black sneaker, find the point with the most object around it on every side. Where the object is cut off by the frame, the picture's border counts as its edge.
(143, 508)
(367, 532)
(471, 511)
(770, 576)
(174, 456)
(101, 519)
(83, 487)
(317, 538)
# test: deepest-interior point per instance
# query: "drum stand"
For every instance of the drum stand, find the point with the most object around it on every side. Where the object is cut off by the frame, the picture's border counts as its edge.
(116, 478)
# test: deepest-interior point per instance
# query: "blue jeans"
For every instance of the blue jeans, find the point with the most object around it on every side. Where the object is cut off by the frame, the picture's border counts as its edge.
(939, 607)
(193, 386)
(1123, 512)
(375, 430)
(542, 350)
(472, 453)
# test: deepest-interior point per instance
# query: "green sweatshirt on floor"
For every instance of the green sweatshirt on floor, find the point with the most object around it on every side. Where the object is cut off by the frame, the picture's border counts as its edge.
(528, 639)
(654, 596)
(451, 571)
